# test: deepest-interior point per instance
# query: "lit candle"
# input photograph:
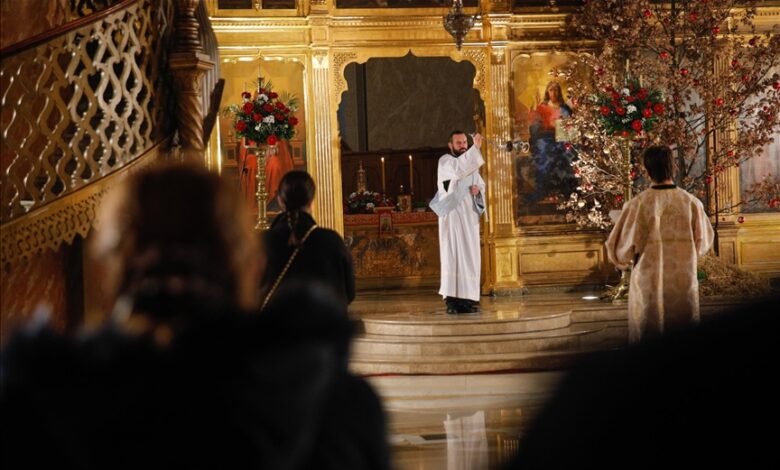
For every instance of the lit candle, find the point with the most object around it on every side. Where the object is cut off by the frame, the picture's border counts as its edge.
(411, 176)
(383, 176)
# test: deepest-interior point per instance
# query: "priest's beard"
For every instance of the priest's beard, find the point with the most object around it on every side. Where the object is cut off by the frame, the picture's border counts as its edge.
(458, 153)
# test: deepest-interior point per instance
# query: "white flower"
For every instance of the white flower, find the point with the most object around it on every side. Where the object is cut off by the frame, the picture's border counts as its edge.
(262, 98)
(631, 108)
(581, 204)
(369, 205)
(353, 195)
(257, 127)
(269, 119)
(625, 91)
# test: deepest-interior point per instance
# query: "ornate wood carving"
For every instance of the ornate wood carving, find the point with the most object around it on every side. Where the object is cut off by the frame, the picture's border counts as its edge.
(74, 214)
(82, 105)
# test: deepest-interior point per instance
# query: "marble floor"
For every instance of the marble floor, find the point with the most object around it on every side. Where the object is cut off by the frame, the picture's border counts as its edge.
(459, 421)
(473, 419)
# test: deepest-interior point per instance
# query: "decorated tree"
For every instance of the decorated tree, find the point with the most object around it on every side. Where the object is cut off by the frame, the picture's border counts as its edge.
(694, 75)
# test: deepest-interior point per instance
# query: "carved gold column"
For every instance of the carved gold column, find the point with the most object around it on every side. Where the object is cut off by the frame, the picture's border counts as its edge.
(501, 163)
(188, 63)
(328, 170)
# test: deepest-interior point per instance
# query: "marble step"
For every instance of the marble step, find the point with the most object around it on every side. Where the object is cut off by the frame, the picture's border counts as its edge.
(382, 364)
(571, 337)
(438, 323)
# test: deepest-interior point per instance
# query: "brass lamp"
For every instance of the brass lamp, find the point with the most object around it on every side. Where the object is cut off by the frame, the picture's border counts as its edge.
(458, 23)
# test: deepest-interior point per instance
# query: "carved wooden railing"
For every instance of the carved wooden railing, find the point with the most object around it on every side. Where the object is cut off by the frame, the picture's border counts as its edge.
(81, 104)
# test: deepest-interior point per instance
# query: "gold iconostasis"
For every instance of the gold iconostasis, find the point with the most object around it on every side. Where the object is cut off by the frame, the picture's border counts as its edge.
(336, 56)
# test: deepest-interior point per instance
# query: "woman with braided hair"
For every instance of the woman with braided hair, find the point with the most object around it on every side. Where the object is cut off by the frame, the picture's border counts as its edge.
(300, 253)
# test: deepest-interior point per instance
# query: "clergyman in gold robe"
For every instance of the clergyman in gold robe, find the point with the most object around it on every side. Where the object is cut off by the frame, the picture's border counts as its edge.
(662, 231)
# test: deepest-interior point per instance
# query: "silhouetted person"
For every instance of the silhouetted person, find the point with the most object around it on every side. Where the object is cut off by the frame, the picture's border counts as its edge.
(702, 397)
(182, 377)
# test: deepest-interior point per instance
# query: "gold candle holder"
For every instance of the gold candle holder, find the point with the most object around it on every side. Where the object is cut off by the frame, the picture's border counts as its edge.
(260, 152)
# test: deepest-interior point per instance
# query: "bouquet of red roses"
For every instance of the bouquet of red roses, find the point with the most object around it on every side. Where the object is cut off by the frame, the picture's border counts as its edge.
(630, 110)
(264, 118)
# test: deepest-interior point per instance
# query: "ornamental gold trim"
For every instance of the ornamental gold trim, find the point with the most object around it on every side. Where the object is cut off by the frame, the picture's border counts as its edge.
(47, 227)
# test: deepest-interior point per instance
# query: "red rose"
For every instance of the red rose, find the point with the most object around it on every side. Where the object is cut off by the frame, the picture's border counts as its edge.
(273, 95)
(293, 121)
(730, 154)
(257, 117)
(618, 198)
(271, 140)
(647, 112)
(636, 125)
(693, 16)
(248, 107)
(649, 104)
(261, 91)
(268, 107)
(240, 126)
(735, 63)
(684, 72)
(642, 93)
(625, 134)
(647, 13)
(246, 95)
(658, 108)
(715, 30)
(630, 99)
(719, 102)
(664, 55)
(605, 111)
(615, 96)
(280, 105)
(620, 111)
(776, 85)
(279, 117)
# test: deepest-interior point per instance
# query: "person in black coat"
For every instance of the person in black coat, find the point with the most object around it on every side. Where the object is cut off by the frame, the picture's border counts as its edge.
(321, 253)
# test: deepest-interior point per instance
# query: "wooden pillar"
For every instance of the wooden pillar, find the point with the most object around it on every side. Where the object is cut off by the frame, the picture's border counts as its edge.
(188, 64)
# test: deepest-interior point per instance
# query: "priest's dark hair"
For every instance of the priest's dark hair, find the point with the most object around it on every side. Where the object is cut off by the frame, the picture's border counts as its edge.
(454, 133)
(296, 192)
(658, 163)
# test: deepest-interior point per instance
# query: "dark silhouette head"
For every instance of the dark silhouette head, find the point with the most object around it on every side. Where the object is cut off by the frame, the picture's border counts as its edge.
(176, 240)
(658, 163)
(296, 193)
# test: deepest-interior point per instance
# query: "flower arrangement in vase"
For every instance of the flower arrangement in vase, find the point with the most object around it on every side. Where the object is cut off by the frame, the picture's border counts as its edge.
(264, 118)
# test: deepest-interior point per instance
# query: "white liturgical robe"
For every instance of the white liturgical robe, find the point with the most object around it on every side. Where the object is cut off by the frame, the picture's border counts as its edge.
(459, 214)
(664, 230)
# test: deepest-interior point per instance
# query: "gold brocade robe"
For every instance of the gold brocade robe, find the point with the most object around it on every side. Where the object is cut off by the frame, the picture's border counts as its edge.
(664, 230)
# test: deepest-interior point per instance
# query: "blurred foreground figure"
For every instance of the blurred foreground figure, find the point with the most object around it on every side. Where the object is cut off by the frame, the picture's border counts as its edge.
(698, 398)
(182, 377)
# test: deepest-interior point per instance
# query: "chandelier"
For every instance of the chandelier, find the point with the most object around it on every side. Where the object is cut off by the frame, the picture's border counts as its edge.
(458, 23)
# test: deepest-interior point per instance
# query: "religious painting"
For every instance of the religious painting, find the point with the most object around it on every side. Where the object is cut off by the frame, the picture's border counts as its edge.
(540, 106)
(239, 161)
(401, 3)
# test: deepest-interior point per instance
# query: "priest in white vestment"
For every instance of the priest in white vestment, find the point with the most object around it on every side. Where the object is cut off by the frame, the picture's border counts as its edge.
(459, 203)
(662, 232)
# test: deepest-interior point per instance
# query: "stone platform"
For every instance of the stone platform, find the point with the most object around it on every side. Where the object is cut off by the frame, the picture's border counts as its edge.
(408, 332)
